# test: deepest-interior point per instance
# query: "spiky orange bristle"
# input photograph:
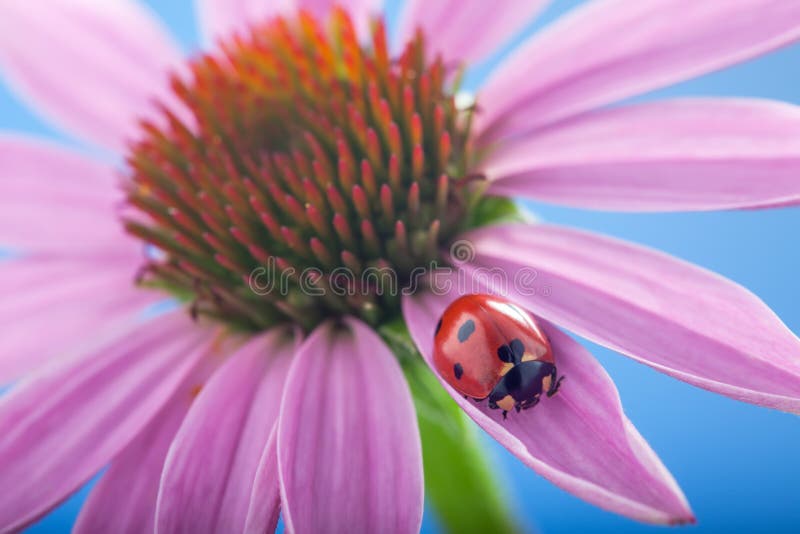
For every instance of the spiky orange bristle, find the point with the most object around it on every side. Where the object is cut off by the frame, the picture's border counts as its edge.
(306, 150)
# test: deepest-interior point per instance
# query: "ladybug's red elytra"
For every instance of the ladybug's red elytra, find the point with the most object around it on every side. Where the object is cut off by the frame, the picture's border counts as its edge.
(486, 346)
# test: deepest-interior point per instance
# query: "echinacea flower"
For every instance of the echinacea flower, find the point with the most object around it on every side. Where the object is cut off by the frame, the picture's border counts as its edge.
(303, 148)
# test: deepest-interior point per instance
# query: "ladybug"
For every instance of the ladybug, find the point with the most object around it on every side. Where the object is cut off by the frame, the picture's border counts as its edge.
(488, 347)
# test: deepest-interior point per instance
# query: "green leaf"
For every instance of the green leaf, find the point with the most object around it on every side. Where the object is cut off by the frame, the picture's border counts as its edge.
(459, 482)
(495, 210)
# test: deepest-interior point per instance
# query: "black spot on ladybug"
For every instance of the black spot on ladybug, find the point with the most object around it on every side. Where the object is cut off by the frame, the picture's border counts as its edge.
(458, 370)
(438, 327)
(518, 349)
(466, 330)
(505, 353)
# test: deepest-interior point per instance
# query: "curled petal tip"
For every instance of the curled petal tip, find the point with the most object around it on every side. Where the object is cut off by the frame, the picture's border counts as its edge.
(592, 450)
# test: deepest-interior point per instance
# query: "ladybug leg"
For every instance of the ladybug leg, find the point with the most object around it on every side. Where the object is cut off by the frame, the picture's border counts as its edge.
(533, 402)
(505, 415)
(556, 384)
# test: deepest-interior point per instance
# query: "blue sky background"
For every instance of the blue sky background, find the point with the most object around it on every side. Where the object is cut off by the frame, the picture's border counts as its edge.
(738, 464)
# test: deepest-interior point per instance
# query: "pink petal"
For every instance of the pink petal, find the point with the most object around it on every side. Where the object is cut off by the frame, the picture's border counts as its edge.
(212, 463)
(124, 500)
(66, 299)
(265, 500)
(221, 18)
(59, 427)
(609, 50)
(348, 445)
(466, 30)
(92, 67)
(678, 318)
(580, 439)
(60, 212)
(675, 155)
(57, 201)
(360, 10)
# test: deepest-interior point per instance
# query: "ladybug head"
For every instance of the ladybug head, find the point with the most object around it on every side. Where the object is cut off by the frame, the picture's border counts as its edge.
(522, 386)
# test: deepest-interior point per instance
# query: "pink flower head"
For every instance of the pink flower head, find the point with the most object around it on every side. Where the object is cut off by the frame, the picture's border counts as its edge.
(303, 148)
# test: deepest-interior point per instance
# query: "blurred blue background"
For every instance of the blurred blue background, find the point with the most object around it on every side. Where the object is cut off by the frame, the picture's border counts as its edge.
(738, 464)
